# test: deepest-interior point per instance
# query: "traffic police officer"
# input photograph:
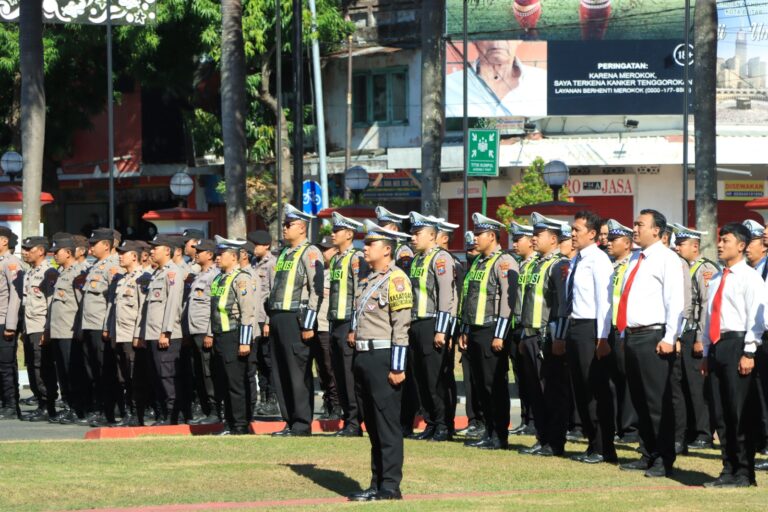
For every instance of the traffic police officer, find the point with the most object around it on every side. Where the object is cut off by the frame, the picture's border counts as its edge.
(64, 317)
(543, 346)
(294, 301)
(39, 282)
(380, 333)
(394, 222)
(488, 297)
(444, 233)
(11, 279)
(233, 299)
(431, 277)
(161, 330)
(347, 269)
(100, 366)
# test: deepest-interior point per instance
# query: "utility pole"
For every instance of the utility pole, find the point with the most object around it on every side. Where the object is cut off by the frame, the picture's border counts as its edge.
(705, 43)
(432, 92)
(298, 105)
(348, 138)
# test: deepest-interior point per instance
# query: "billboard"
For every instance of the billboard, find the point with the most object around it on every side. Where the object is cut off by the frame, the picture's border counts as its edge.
(87, 12)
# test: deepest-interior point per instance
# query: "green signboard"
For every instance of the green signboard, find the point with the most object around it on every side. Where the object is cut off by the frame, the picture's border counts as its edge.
(483, 157)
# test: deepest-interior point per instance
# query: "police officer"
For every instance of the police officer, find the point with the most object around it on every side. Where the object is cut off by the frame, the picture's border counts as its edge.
(64, 316)
(488, 297)
(522, 248)
(161, 328)
(264, 265)
(697, 430)
(100, 365)
(293, 304)
(431, 277)
(39, 282)
(233, 298)
(11, 280)
(347, 270)
(394, 222)
(543, 346)
(444, 234)
(81, 251)
(198, 317)
(380, 333)
(191, 238)
(123, 327)
(321, 350)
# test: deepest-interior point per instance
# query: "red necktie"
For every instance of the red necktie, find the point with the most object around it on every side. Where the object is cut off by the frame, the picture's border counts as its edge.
(621, 316)
(714, 317)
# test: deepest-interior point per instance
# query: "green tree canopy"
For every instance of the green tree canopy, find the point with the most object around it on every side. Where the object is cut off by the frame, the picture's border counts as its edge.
(531, 190)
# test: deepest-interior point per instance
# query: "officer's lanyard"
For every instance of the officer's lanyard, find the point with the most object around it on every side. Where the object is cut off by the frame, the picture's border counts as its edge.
(223, 293)
(483, 297)
(618, 281)
(361, 308)
(341, 307)
(424, 268)
(538, 295)
(288, 297)
(525, 275)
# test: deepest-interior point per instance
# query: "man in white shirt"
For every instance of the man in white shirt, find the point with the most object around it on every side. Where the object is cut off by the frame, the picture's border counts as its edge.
(732, 331)
(588, 307)
(498, 84)
(649, 315)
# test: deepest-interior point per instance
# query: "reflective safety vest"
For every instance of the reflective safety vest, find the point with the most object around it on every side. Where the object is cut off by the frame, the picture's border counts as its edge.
(420, 273)
(221, 303)
(340, 307)
(538, 280)
(481, 277)
(285, 285)
(618, 281)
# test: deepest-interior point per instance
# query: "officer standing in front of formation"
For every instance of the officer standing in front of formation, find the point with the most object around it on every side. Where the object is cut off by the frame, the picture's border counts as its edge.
(522, 248)
(620, 249)
(431, 276)
(588, 307)
(99, 358)
(11, 280)
(293, 305)
(64, 317)
(347, 271)
(380, 334)
(233, 317)
(649, 314)
(697, 429)
(543, 347)
(488, 297)
(733, 329)
(161, 330)
(198, 317)
(39, 282)
(394, 222)
(264, 266)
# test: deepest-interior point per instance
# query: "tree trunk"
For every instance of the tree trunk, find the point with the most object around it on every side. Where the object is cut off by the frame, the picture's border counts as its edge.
(32, 113)
(432, 115)
(233, 112)
(705, 43)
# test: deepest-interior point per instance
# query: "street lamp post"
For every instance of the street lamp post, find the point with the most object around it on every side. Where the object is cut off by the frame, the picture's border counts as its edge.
(356, 180)
(555, 175)
(181, 186)
(11, 163)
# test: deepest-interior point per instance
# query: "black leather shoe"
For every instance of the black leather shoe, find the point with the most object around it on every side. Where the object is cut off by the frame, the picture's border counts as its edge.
(476, 431)
(628, 438)
(700, 444)
(579, 457)
(349, 432)
(574, 435)
(162, 423)
(282, 433)
(592, 458)
(658, 470)
(56, 418)
(724, 480)
(293, 433)
(517, 430)
(531, 450)
(680, 449)
(475, 443)
(385, 494)
(70, 418)
(366, 495)
(441, 435)
(29, 401)
(37, 416)
(548, 451)
(493, 444)
(225, 432)
(211, 419)
(637, 465)
(87, 419)
(762, 465)
(8, 413)
(427, 434)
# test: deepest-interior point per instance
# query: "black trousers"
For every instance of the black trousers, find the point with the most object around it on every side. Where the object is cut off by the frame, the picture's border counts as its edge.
(320, 351)
(70, 369)
(99, 389)
(591, 386)
(526, 414)
(411, 401)
(626, 417)
(342, 357)
(489, 369)
(236, 370)
(293, 371)
(472, 406)
(202, 374)
(428, 367)
(761, 367)
(9, 371)
(41, 371)
(168, 377)
(143, 381)
(546, 379)
(381, 409)
(649, 376)
(449, 362)
(126, 360)
(697, 423)
(264, 364)
(733, 407)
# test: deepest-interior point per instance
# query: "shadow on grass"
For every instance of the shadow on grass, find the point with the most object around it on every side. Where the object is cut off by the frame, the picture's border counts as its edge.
(334, 481)
(691, 478)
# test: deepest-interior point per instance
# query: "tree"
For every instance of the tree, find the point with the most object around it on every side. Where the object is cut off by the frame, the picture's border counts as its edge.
(531, 190)
(233, 113)
(704, 111)
(432, 113)
(32, 105)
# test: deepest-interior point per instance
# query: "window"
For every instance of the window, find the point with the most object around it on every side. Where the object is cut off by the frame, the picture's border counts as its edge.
(379, 96)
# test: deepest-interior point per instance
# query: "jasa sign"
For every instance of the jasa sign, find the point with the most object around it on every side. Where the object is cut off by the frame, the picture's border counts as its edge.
(601, 186)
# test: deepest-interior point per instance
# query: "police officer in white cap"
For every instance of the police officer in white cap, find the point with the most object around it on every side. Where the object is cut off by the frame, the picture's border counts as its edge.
(444, 234)
(394, 222)
(294, 301)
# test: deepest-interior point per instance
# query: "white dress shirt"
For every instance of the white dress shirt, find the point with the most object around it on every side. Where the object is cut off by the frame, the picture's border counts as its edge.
(741, 309)
(592, 288)
(656, 296)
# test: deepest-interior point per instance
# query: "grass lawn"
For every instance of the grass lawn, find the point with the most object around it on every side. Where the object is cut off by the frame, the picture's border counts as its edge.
(155, 471)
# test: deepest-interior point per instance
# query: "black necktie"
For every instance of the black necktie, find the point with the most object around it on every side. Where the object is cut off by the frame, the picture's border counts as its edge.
(570, 283)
